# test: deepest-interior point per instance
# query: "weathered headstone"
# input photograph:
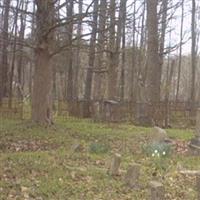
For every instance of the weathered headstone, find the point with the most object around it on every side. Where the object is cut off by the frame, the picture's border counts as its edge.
(157, 191)
(96, 111)
(158, 135)
(77, 147)
(114, 165)
(110, 108)
(132, 175)
(198, 185)
(195, 142)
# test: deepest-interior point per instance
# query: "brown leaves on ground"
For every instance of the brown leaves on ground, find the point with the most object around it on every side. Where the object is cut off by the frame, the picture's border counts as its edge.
(181, 147)
(26, 145)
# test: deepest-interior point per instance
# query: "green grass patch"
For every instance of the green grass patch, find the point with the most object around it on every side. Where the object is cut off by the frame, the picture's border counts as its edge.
(55, 172)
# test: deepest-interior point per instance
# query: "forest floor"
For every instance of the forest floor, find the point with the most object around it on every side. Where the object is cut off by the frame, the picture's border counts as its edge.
(41, 163)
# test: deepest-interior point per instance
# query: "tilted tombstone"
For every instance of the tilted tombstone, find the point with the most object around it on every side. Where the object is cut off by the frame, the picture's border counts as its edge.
(198, 185)
(132, 176)
(158, 134)
(157, 191)
(114, 165)
(195, 142)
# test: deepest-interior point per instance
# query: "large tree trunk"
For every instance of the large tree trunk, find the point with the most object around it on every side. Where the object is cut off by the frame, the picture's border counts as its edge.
(78, 60)
(89, 75)
(21, 48)
(153, 75)
(42, 88)
(4, 58)
(133, 85)
(15, 30)
(100, 50)
(123, 57)
(70, 7)
(113, 55)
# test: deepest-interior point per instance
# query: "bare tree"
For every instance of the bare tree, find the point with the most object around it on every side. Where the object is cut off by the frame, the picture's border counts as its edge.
(15, 29)
(193, 57)
(153, 76)
(123, 22)
(180, 51)
(4, 58)
(42, 87)
(100, 49)
(78, 60)
(92, 50)
(112, 68)
(69, 28)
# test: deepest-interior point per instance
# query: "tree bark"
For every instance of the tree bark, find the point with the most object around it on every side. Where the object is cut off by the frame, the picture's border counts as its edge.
(78, 60)
(89, 75)
(162, 37)
(42, 87)
(4, 58)
(123, 57)
(21, 47)
(153, 75)
(70, 7)
(113, 55)
(193, 60)
(100, 50)
(180, 52)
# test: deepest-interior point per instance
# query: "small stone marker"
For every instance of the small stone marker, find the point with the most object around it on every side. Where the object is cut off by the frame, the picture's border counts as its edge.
(198, 185)
(77, 147)
(115, 164)
(195, 142)
(159, 134)
(132, 175)
(157, 191)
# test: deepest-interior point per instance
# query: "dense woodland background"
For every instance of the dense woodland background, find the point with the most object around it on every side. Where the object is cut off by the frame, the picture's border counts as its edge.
(135, 51)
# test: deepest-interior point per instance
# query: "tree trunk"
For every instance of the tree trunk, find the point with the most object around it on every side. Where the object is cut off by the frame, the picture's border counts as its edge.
(4, 58)
(163, 34)
(180, 52)
(42, 87)
(193, 61)
(78, 60)
(133, 85)
(123, 21)
(15, 30)
(89, 75)
(70, 7)
(153, 75)
(170, 73)
(32, 53)
(113, 55)
(100, 50)
(20, 58)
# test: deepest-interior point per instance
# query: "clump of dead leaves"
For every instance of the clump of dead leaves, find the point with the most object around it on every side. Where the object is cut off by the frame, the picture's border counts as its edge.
(26, 145)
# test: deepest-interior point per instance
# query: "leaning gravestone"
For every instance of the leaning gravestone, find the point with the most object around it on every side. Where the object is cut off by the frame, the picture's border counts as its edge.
(198, 185)
(114, 165)
(132, 176)
(77, 147)
(158, 135)
(157, 191)
(195, 142)
(97, 111)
